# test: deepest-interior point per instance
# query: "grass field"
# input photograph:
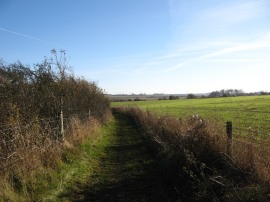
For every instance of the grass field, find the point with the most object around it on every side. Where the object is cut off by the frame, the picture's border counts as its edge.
(249, 114)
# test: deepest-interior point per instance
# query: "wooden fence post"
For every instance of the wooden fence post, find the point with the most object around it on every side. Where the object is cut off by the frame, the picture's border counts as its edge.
(89, 114)
(62, 125)
(229, 129)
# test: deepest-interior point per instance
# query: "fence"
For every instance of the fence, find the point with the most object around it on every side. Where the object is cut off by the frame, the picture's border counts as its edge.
(37, 134)
(56, 123)
(37, 141)
(246, 122)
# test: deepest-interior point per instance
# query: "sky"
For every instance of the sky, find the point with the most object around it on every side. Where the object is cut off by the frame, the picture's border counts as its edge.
(145, 46)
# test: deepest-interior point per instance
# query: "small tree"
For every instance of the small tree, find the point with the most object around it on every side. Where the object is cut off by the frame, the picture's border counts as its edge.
(173, 97)
(191, 96)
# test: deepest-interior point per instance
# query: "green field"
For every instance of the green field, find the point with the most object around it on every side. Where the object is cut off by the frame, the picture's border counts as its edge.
(249, 114)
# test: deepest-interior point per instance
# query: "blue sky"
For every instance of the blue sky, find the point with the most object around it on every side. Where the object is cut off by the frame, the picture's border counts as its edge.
(146, 46)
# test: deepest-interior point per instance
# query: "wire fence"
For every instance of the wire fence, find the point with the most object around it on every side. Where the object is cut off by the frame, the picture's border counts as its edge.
(37, 135)
(49, 127)
(247, 121)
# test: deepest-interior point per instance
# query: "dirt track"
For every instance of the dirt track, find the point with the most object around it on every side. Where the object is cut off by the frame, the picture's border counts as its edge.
(127, 172)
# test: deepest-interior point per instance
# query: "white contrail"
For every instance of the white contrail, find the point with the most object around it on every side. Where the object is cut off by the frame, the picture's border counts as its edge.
(29, 37)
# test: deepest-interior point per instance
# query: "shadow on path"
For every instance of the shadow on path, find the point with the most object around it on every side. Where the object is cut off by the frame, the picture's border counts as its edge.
(127, 172)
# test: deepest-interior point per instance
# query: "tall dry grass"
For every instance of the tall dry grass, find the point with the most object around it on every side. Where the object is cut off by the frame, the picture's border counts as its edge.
(26, 148)
(200, 149)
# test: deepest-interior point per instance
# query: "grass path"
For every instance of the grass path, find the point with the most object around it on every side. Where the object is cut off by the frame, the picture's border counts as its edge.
(127, 170)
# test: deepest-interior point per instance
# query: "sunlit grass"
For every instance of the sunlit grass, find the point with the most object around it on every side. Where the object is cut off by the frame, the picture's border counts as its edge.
(249, 114)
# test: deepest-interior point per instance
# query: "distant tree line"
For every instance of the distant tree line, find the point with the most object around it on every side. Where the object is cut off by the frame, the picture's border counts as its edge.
(234, 92)
(171, 97)
(136, 99)
(41, 91)
(227, 93)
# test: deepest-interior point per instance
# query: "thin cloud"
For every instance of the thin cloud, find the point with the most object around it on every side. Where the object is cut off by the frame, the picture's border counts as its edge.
(240, 60)
(236, 13)
(29, 37)
(43, 41)
(213, 50)
(263, 42)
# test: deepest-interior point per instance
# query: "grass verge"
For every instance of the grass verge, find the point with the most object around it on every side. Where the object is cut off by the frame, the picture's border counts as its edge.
(77, 163)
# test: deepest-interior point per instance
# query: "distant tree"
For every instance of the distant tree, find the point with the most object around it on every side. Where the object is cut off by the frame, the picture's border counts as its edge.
(173, 97)
(162, 98)
(214, 94)
(239, 92)
(263, 93)
(191, 96)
